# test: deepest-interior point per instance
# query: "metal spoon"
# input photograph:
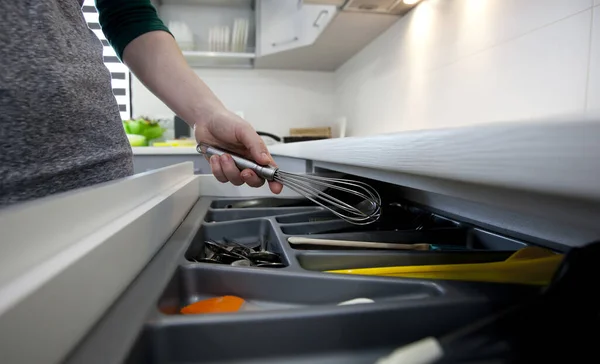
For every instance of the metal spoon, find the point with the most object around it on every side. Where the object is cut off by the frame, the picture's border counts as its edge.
(223, 254)
(216, 247)
(270, 264)
(229, 258)
(242, 263)
(238, 246)
(207, 260)
(264, 254)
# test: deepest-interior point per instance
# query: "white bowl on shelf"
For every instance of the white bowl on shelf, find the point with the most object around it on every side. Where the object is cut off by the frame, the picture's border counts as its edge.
(183, 35)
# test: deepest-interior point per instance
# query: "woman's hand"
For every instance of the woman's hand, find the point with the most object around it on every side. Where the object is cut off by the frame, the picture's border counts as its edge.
(226, 130)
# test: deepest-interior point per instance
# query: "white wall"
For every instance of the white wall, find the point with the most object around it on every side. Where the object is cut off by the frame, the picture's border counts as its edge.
(272, 101)
(459, 62)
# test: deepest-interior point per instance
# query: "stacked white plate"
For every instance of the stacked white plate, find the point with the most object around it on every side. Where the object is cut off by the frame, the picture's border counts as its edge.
(218, 39)
(239, 37)
(222, 39)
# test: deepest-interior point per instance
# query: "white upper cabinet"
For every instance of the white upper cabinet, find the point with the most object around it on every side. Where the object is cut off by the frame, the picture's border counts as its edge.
(312, 35)
(278, 25)
(288, 24)
(315, 18)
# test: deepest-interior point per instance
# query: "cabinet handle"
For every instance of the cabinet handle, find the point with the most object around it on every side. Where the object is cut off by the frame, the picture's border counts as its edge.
(286, 42)
(321, 14)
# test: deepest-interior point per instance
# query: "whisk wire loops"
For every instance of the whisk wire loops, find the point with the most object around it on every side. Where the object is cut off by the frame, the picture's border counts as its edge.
(313, 187)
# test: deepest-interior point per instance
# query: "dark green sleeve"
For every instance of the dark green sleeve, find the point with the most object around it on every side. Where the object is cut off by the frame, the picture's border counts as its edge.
(124, 20)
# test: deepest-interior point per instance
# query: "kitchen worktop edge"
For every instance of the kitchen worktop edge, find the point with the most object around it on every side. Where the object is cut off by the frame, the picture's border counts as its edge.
(164, 151)
(558, 155)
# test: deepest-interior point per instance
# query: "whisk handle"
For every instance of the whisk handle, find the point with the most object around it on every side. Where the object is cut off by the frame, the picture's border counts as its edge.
(265, 172)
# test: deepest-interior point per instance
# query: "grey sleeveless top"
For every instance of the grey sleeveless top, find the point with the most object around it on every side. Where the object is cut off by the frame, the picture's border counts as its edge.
(60, 126)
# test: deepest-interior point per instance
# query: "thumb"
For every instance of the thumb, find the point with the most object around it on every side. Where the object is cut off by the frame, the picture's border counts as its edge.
(255, 145)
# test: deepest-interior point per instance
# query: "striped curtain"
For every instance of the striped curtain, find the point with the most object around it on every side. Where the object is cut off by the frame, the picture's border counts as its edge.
(120, 75)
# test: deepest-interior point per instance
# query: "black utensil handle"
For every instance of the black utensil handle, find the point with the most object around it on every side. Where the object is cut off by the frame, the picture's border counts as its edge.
(273, 136)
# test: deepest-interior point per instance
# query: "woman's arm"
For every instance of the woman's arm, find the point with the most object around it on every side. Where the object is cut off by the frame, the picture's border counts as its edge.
(146, 46)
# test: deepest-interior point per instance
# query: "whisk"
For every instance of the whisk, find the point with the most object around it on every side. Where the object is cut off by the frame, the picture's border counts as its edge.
(367, 211)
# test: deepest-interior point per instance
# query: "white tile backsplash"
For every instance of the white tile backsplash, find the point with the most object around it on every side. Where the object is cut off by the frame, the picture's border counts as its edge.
(524, 78)
(459, 62)
(439, 32)
(272, 101)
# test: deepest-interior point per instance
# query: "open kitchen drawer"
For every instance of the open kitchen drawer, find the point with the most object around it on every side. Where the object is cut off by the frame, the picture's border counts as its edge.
(291, 312)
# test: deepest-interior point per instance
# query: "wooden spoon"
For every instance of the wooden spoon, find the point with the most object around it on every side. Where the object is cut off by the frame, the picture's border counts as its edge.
(299, 240)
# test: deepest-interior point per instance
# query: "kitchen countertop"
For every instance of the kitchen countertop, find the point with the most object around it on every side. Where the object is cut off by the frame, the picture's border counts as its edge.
(274, 149)
(558, 156)
(188, 150)
(551, 155)
(164, 151)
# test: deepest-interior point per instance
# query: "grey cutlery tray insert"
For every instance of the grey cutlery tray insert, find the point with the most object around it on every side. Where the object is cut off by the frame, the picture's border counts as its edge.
(294, 315)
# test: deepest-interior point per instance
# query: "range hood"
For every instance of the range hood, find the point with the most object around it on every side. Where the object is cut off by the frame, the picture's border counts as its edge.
(390, 7)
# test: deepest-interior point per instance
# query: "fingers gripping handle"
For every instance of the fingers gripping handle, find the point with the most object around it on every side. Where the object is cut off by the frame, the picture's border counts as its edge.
(240, 162)
(267, 173)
